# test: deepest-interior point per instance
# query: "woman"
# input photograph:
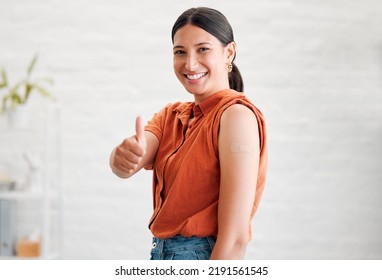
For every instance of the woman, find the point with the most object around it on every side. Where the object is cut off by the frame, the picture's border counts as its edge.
(208, 156)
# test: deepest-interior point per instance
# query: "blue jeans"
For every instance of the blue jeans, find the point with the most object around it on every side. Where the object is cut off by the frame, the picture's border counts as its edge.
(182, 248)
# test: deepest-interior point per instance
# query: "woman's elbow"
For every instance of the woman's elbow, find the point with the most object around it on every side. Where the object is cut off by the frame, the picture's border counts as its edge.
(240, 242)
(233, 245)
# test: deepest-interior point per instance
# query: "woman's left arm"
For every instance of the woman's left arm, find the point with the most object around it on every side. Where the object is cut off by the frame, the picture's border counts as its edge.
(239, 150)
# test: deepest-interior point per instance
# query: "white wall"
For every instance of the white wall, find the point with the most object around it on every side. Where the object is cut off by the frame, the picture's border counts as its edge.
(313, 67)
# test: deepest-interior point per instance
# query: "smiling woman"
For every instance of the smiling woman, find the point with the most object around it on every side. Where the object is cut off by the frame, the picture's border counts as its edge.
(209, 156)
(201, 60)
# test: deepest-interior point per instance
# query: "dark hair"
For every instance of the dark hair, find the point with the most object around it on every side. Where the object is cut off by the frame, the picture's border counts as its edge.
(215, 23)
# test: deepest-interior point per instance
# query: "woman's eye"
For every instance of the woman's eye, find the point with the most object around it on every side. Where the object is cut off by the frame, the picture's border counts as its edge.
(178, 52)
(203, 49)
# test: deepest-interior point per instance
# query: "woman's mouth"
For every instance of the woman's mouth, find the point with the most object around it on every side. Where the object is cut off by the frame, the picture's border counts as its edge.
(197, 76)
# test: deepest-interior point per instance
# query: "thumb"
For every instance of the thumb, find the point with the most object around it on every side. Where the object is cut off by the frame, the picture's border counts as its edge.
(139, 130)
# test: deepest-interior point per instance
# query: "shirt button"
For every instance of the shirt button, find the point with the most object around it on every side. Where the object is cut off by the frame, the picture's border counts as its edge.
(154, 245)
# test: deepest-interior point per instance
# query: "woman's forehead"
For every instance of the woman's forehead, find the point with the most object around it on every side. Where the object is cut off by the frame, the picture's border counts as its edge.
(193, 34)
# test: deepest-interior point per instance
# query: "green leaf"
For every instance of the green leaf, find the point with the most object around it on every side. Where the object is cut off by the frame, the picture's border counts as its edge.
(4, 104)
(13, 98)
(16, 99)
(4, 82)
(42, 91)
(32, 64)
(28, 90)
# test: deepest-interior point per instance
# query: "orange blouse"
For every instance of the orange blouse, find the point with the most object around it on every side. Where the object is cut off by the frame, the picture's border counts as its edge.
(186, 176)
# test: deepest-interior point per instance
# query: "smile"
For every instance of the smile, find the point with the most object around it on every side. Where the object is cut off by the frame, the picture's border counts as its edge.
(195, 76)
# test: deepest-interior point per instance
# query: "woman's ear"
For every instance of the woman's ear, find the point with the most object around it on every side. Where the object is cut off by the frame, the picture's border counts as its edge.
(230, 52)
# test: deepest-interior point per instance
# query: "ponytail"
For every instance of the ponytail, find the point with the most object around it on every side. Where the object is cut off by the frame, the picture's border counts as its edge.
(235, 79)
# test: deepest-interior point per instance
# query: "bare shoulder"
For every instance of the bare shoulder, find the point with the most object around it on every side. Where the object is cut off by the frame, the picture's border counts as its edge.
(238, 127)
(238, 113)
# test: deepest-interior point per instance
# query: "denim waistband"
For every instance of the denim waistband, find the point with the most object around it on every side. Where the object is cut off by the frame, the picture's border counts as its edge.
(179, 243)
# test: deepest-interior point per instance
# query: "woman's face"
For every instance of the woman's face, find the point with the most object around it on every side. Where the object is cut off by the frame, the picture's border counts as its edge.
(200, 61)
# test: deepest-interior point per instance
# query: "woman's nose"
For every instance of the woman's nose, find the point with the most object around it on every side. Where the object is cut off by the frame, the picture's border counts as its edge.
(191, 62)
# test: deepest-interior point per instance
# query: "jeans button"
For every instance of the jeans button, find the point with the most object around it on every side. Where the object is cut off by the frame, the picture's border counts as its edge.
(154, 245)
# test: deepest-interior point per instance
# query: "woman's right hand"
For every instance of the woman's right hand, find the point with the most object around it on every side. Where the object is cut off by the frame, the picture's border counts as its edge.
(126, 159)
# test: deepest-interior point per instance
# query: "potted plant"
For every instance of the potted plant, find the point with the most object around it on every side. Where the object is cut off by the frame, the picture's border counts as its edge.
(17, 96)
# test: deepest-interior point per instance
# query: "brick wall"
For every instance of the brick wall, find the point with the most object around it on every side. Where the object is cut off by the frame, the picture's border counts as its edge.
(313, 67)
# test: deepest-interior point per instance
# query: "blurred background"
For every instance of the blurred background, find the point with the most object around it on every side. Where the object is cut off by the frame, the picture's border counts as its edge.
(313, 67)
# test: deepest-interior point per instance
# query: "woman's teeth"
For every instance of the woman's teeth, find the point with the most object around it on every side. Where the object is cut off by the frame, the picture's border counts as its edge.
(196, 76)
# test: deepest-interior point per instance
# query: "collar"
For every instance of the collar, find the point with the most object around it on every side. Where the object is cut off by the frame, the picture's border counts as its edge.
(209, 103)
(203, 108)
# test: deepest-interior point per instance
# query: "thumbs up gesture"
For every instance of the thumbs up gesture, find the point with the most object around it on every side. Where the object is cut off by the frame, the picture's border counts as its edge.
(126, 158)
(140, 134)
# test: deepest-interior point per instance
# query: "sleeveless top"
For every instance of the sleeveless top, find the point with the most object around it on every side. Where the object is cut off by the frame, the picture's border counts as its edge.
(186, 172)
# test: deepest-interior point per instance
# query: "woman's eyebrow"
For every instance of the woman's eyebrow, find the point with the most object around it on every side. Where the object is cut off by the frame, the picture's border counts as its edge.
(196, 45)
